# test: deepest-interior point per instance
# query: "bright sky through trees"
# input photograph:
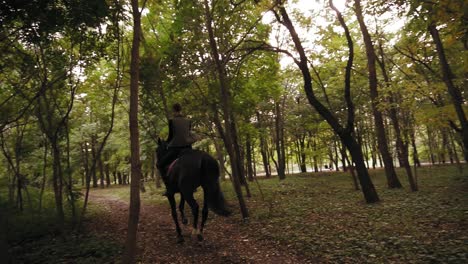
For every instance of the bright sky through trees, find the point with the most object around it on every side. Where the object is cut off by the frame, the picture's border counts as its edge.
(312, 9)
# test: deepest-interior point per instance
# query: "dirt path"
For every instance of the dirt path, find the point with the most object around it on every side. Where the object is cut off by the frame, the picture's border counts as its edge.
(226, 239)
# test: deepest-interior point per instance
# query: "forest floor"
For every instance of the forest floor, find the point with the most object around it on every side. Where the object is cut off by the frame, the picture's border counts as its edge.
(225, 241)
(306, 218)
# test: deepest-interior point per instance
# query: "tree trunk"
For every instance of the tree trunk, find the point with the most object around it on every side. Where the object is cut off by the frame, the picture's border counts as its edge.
(44, 173)
(454, 91)
(412, 135)
(248, 148)
(71, 195)
(457, 160)
(430, 145)
(108, 173)
(346, 137)
(134, 210)
(363, 175)
(120, 178)
(230, 125)
(343, 157)
(353, 174)
(93, 155)
(336, 158)
(392, 179)
(220, 157)
(87, 179)
(315, 159)
(302, 155)
(57, 183)
(446, 147)
(101, 172)
(279, 141)
(401, 145)
(263, 151)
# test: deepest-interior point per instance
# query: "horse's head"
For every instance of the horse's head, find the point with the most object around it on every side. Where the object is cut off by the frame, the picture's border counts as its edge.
(161, 149)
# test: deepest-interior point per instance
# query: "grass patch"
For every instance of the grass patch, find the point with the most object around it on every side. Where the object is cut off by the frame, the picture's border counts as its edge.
(321, 217)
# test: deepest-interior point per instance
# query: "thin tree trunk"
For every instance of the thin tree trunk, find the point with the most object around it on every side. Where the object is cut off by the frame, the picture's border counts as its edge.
(343, 157)
(263, 151)
(248, 147)
(401, 145)
(220, 157)
(416, 160)
(134, 211)
(87, 180)
(279, 141)
(336, 159)
(430, 145)
(101, 172)
(302, 155)
(71, 195)
(93, 155)
(119, 178)
(457, 160)
(57, 182)
(44, 174)
(20, 178)
(108, 178)
(392, 179)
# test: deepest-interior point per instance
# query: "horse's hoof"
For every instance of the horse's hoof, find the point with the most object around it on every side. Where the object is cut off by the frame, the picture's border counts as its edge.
(200, 237)
(180, 240)
(184, 221)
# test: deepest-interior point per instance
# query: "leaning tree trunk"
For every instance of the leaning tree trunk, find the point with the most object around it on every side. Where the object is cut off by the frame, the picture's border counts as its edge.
(230, 126)
(346, 135)
(454, 91)
(392, 179)
(134, 211)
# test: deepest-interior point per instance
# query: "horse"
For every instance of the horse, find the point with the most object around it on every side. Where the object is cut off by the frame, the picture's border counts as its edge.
(192, 169)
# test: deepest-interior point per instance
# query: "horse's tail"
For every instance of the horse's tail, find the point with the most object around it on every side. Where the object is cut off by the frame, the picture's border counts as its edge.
(216, 201)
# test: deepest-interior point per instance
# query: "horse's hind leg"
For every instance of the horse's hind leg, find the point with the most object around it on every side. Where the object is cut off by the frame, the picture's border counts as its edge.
(194, 205)
(170, 197)
(181, 209)
(204, 211)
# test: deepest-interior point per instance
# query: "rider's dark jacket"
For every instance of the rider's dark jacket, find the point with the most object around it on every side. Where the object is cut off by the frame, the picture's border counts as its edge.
(179, 132)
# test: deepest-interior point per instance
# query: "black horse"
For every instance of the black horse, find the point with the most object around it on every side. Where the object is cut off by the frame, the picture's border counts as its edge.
(192, 169)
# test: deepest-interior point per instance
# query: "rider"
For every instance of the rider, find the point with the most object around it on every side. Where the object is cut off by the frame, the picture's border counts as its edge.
(180, 137)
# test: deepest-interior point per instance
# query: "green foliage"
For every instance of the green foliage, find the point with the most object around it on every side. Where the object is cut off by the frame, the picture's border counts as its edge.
(32, 235)
(71, 248)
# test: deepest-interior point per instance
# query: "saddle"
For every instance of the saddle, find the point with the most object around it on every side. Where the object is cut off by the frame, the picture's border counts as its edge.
(169, 168)
(171, 165)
